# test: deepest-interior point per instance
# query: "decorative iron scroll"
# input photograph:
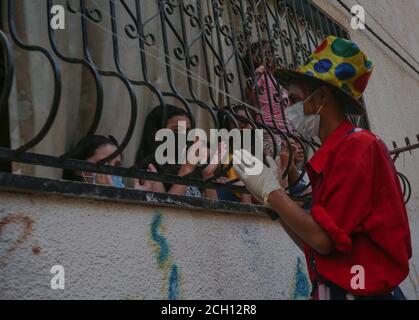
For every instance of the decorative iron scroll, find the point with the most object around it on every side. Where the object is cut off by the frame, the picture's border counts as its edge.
(212, 36)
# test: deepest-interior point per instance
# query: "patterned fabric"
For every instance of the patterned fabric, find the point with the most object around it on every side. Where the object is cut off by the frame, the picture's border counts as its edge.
(329, 291)
(268, 94)
(341, 63)
(193, 191)
(274, 118)
(338, 62)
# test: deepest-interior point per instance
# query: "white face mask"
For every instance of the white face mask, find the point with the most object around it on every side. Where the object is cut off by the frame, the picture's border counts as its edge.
(307, 125)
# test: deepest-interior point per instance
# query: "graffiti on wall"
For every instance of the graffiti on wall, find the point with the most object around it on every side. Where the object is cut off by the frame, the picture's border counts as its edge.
(301, 286)
(249, 238)
(9, 243)
(17, 231)
(164, 260)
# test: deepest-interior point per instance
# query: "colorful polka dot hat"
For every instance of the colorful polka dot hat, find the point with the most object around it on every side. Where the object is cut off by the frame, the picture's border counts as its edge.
(337, 62)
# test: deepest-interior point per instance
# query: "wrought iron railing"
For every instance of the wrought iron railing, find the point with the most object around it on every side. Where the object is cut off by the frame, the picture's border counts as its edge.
(214, 36)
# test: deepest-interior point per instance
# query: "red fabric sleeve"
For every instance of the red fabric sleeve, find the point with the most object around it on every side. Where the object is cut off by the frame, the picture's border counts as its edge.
(340, 237)
(346, 198)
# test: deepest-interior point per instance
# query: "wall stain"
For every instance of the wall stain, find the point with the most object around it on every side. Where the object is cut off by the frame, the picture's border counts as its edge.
(163, 247)
(302, 287)
(171, 274)
(414, 279)
(249, 238)
(132, 297)
(19, 219)
(36, 250)
(173, 283)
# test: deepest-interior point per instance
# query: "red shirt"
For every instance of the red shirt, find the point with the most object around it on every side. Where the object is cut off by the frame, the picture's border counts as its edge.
(357, 200)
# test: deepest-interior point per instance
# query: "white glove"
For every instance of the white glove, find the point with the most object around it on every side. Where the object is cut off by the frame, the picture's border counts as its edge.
(260, 185)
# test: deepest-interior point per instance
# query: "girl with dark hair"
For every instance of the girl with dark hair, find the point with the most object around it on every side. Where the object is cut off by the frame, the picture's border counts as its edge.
(93, 149)
(175, 119)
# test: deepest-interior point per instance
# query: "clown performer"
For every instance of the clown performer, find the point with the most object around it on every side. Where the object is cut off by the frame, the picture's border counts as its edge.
(356, 237)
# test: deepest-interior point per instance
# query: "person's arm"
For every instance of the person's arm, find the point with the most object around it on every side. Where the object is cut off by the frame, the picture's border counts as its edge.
(267, 187)
(186, 168)
(209, 193)
(213, 165)
(344, 204)
(149, 185)
(293, 174)
(104, 179)
(180, 189)
(158, 186)
(294, 237)
(246, 198)
(302, 225)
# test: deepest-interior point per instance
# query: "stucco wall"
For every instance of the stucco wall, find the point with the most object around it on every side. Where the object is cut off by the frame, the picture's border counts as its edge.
(129, 251)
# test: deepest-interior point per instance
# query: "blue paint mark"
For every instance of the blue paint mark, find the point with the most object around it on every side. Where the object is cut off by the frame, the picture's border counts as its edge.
(173, 283)
(160, 240)
(163, 256)
(249, 238)
(301, 290)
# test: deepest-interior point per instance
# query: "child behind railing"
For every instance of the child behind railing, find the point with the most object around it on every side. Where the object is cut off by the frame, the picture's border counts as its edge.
(267, 93)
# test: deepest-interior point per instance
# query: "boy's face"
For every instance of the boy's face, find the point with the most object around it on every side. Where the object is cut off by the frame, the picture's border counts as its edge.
(297, 92)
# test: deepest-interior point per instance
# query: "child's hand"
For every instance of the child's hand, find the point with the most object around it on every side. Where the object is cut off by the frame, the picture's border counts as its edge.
(294, 148)
(285, 154)
(104, 179)
(285, 158)
(194, 150)
(215, 162)
(146, 185)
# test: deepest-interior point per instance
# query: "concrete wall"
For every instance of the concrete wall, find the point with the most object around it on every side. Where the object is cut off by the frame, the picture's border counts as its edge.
(129, 251)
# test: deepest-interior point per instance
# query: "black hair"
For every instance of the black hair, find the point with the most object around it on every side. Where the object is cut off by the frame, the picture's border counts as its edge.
(226, 122)
(85, 149)
(153, 123)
